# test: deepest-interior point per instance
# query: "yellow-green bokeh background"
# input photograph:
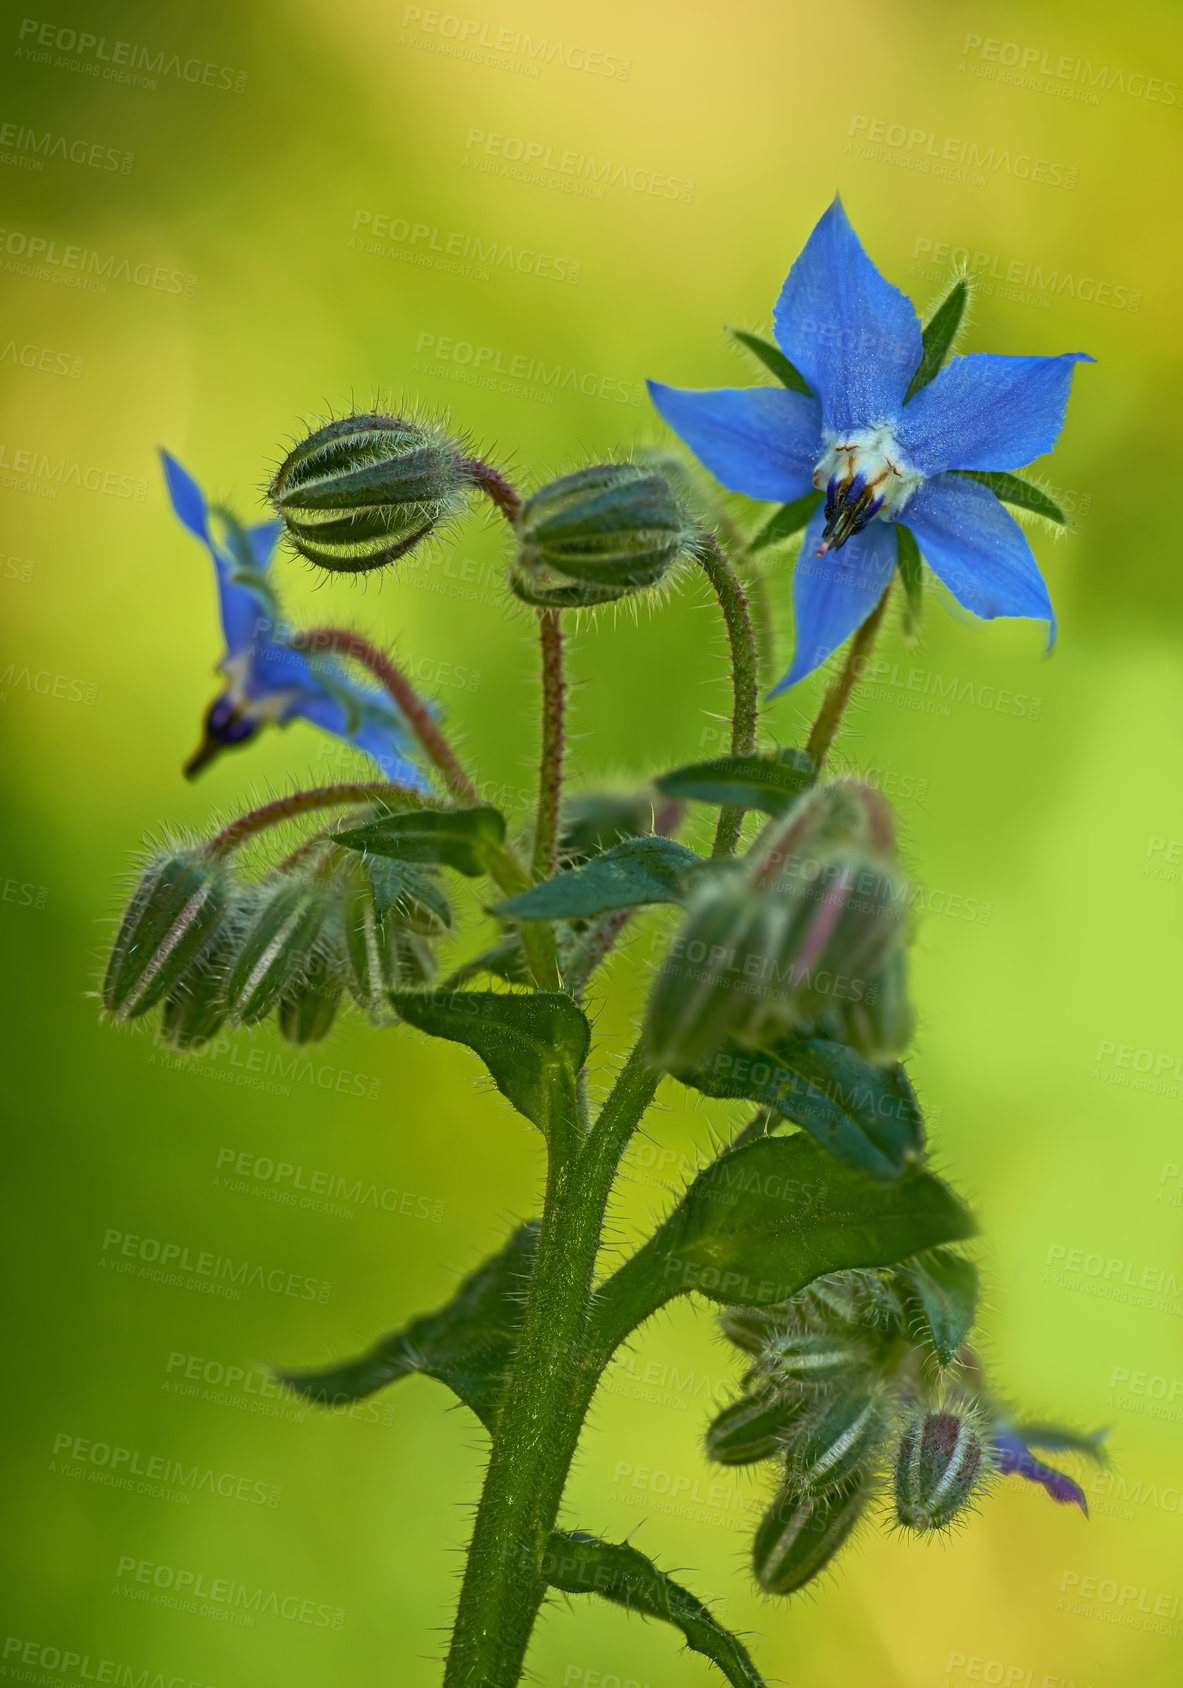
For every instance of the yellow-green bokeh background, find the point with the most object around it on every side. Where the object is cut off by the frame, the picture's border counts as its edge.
(1048, 819)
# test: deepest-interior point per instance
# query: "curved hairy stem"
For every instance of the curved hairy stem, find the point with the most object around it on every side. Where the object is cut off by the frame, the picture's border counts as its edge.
(302, 802)
(744, 674)
(494, 485)
(418, 716)
(550, 772)
(834, 703)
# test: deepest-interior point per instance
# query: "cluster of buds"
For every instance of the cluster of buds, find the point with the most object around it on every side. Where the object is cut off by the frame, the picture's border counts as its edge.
(208, 946)
(847, 1397)
(599, 535)
(364, 490)
(806, 935)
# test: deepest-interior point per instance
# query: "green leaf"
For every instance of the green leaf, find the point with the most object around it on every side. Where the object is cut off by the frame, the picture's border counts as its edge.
(774, 360)
(938, 335)
(787, 521)
(534, 1046)
(946, 1286)
(1013, 489)
(767, 783)
(867, 1116)
(763, 1221)
(505, 959)
(395, 885)
(463, 839)
(907, 560)
(467, 1344)
(578, 1563)
(642, 870)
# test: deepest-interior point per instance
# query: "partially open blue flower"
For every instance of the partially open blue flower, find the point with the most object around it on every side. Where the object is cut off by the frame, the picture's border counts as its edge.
(267, 680)
(1012, 1456)
(856, 341)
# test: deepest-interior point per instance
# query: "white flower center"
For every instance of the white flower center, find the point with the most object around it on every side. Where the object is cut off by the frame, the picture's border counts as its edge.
(864, 473)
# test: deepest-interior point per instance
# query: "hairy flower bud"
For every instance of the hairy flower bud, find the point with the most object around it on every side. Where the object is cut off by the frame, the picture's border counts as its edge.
(839, 1440)
(391, 952)
(801, 1533)
(306, 1011)
(752, 1328)
(196, 1008)
(753, 1427)
(598, 535)
(940, 1465)
(278, 945)
(813, 1359)
(364, 490)
(170, 923)
(798, 933)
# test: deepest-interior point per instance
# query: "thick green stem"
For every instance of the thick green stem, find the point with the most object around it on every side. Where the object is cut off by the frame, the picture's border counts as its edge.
(547, 1394)
(550, 771)
(834, 703)
(744, 675)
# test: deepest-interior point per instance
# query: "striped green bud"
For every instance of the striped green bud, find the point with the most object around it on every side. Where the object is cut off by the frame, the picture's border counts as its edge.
(364, 490)
(754, 1427)
(306, 1010)
(385, 953)
(801, 1533)
(814, 1360)
(277, 946)
(752, 1328)
(839, 1441)
(598, 535)
(941, 1463)
(197, 1008)
(171, 922)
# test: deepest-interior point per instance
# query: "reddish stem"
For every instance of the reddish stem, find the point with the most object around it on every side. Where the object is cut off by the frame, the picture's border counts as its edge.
(418, 716)
(550, 772)
(300, 803)
(494, 485)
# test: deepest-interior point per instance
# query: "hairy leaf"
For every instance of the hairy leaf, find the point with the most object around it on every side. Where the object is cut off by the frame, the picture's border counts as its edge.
(866, 1115)
(946, 1286)
(534, 1046)
(764, 1220)
(774, 360)
(641, 870)
(1013, 489)
(579, 1563)
(468, 1344)
(458, 838)
(938, 335)
(787, 521)
(767, 783)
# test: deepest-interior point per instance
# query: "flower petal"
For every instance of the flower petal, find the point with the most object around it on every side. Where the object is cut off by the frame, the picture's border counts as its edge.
(763, 441)
(854, 337)
(262, 540)
(985, 411)
(366, 719)
(978, 549)
(242, 609)
(834, 594)
(1013, 1458)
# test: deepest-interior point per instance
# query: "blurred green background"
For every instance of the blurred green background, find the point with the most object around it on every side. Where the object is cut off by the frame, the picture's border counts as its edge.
(267, 148)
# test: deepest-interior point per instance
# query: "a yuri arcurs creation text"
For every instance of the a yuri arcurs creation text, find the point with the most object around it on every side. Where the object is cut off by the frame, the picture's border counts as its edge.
(830, 1252)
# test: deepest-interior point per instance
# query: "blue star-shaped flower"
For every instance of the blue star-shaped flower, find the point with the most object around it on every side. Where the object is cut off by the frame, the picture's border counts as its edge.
(856, 341)
(266, 679)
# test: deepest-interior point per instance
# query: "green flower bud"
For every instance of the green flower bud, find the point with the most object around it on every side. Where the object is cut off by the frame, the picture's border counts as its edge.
(364, 490)
(197, 1008)
(171, 922)
(394, 952)
(815, 1360)
(752, 1328)
(801, 1533)
(306, 1010)
(598, 535)
(799, 932)
(278, 944)
(838, 1443)
(941, 1462)
(753, 1427)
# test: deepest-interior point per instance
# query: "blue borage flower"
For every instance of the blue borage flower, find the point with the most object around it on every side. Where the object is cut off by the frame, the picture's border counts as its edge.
(267, 681)
(856, 341)
(1011, 1455)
